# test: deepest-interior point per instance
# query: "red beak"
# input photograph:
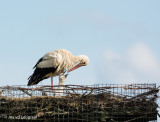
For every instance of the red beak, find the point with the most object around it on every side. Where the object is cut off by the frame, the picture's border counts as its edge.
(75, 67)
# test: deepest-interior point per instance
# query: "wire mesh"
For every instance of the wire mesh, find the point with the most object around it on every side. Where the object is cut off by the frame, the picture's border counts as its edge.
(78, 103)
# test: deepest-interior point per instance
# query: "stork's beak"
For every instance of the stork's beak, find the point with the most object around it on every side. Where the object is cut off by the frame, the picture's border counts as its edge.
(75, 67)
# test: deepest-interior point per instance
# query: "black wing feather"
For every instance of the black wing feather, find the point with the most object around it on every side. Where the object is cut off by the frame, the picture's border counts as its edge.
(40, 74)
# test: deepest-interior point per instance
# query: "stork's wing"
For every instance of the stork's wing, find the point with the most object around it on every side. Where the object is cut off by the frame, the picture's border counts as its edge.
(39, 75)
(46, 65)
(49, 60)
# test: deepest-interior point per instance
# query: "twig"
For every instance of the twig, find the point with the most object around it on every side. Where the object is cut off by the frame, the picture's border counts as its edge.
(153, 91)
(25, 91)
(134, 119)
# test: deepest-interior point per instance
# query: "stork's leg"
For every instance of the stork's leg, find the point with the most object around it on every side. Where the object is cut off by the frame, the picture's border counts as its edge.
(52, 84)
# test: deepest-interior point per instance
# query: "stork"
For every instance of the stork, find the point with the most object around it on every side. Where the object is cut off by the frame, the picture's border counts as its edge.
(54, 63)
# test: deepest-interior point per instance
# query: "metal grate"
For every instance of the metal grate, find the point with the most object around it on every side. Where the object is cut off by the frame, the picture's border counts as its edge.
(77, 103)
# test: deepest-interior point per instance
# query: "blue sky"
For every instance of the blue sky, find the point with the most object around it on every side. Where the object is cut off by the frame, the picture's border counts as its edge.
(121, 38)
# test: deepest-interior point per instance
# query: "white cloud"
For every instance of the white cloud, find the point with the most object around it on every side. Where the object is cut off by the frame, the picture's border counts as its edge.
(138, 64)
(142, 59)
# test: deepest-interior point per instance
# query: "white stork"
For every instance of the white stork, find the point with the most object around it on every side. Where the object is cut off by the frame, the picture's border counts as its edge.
(54, 63)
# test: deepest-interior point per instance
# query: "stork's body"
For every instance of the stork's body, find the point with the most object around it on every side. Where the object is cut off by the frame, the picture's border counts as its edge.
(54, 63)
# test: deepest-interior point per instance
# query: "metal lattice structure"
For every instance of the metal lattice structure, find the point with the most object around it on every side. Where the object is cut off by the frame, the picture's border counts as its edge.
(76, 103)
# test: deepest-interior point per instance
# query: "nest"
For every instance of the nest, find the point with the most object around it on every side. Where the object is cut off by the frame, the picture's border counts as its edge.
(90, 106)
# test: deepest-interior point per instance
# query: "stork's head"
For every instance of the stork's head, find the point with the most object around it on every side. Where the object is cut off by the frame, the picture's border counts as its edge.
(82, 61)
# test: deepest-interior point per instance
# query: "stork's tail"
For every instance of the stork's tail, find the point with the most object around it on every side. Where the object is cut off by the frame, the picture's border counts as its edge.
(33, 80)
